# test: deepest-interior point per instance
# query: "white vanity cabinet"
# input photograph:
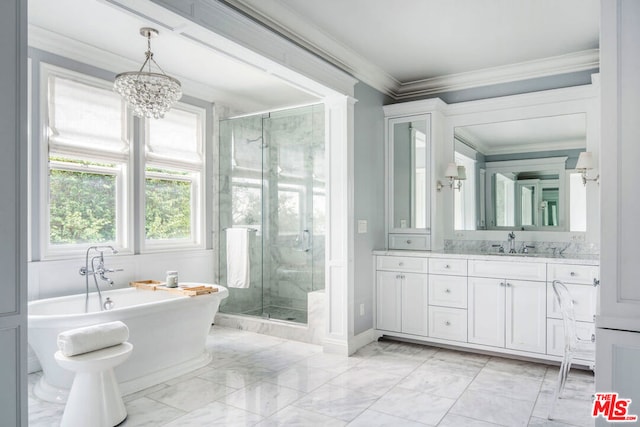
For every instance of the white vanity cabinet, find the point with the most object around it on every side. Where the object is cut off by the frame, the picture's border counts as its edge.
(401, 295)
(482, 302)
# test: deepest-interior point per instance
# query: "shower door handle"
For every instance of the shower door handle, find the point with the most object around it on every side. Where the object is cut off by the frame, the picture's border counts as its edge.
(304, 241)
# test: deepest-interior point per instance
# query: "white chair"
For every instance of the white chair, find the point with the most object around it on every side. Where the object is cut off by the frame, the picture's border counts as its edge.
(574, 346)
(94, 399)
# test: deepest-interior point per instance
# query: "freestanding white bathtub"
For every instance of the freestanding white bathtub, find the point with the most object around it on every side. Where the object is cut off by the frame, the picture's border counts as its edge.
(168, 332)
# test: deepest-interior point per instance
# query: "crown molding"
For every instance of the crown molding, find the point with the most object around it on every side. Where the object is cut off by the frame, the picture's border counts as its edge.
(562, 64)
(292, 26)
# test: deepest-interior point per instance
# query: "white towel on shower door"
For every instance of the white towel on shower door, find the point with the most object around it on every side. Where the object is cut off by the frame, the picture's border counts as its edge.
(238, 263)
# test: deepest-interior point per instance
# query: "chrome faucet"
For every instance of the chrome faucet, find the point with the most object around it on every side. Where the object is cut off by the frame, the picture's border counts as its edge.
(525, 248)
(512, 243)
(98, 270)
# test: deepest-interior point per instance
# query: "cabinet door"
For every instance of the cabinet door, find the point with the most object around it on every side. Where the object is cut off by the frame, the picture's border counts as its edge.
(526, 308)
(388, 300)
(555, 337)
(414, 304)
(585, 298)
(486, 311)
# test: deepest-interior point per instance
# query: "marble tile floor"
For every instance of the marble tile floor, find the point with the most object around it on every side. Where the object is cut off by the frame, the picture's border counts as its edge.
(259, 380)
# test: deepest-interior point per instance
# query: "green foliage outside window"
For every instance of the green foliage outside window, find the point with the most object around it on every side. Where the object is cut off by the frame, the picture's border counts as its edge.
(168, 209)
(82, 207)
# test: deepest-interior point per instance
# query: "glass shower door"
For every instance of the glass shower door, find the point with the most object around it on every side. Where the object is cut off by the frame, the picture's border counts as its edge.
(289, 237)
(240, 206)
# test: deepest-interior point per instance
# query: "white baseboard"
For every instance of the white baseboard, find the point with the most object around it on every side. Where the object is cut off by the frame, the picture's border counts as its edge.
(355, 343)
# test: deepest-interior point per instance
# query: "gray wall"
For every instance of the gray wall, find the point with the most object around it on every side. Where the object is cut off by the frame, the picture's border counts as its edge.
(368, 197)
(13, 213)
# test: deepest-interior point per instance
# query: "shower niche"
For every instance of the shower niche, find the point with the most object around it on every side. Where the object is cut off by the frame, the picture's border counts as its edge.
(272, 181)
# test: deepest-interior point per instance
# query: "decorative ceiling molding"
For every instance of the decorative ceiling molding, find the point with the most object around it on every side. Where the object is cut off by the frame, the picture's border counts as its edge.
(228, 30)
(76, 50)
(295, 28)
(573, 62)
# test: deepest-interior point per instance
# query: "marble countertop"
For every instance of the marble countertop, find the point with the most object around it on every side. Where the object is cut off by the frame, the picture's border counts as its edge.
(583, 259)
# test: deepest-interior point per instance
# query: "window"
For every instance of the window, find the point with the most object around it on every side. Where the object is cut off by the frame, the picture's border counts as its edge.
(173, 178)
(88, 180)
(87, 156)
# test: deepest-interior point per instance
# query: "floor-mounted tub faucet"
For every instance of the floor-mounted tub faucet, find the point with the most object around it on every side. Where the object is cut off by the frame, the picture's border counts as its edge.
(98, 270)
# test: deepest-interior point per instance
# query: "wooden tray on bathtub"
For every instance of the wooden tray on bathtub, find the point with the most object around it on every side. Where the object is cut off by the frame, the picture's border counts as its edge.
(190, 290)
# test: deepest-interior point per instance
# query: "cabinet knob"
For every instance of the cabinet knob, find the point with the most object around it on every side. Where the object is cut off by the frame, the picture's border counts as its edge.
(596, 282)
(448, 291)
(572, 274)
(409, 242)
(508, 285)
(401, 263)
(447, 266)
(502, 284)
(447, 323)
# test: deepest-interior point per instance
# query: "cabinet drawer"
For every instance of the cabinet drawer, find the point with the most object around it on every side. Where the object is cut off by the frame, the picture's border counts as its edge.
(570, 273)
(410, 241)
(508, 270)
(584, 302)
(555, 337)
(448, 323)
(400, 263)
(453, 266)
(448, 291)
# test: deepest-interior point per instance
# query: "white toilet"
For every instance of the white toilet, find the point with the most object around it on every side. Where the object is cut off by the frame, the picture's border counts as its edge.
(94, 399)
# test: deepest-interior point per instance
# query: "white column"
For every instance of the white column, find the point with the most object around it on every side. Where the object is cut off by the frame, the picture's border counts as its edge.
(339, 148)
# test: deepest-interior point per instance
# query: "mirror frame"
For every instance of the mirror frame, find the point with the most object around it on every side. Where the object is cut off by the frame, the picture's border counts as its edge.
(580, 99)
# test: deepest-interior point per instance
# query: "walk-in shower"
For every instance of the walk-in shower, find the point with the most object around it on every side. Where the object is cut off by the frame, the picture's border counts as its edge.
(272, 182)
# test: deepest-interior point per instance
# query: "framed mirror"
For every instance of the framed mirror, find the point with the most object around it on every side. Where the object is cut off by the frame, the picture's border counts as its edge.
(520, 174)
(409, 174)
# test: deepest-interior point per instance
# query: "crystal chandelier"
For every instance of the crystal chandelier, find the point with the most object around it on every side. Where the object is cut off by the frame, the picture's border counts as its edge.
(149, 94)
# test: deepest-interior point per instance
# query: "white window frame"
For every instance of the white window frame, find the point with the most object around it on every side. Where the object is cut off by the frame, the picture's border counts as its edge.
(124, 203)
(196, 177)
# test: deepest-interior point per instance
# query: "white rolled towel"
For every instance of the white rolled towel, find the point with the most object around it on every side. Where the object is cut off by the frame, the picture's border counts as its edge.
(91, 338)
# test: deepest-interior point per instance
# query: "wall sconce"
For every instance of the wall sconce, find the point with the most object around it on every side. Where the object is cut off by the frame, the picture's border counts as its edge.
(453, 173)
(585, 163)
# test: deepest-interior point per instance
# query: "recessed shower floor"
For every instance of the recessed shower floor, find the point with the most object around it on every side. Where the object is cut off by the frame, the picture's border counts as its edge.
(260, 380)
(280, 313)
